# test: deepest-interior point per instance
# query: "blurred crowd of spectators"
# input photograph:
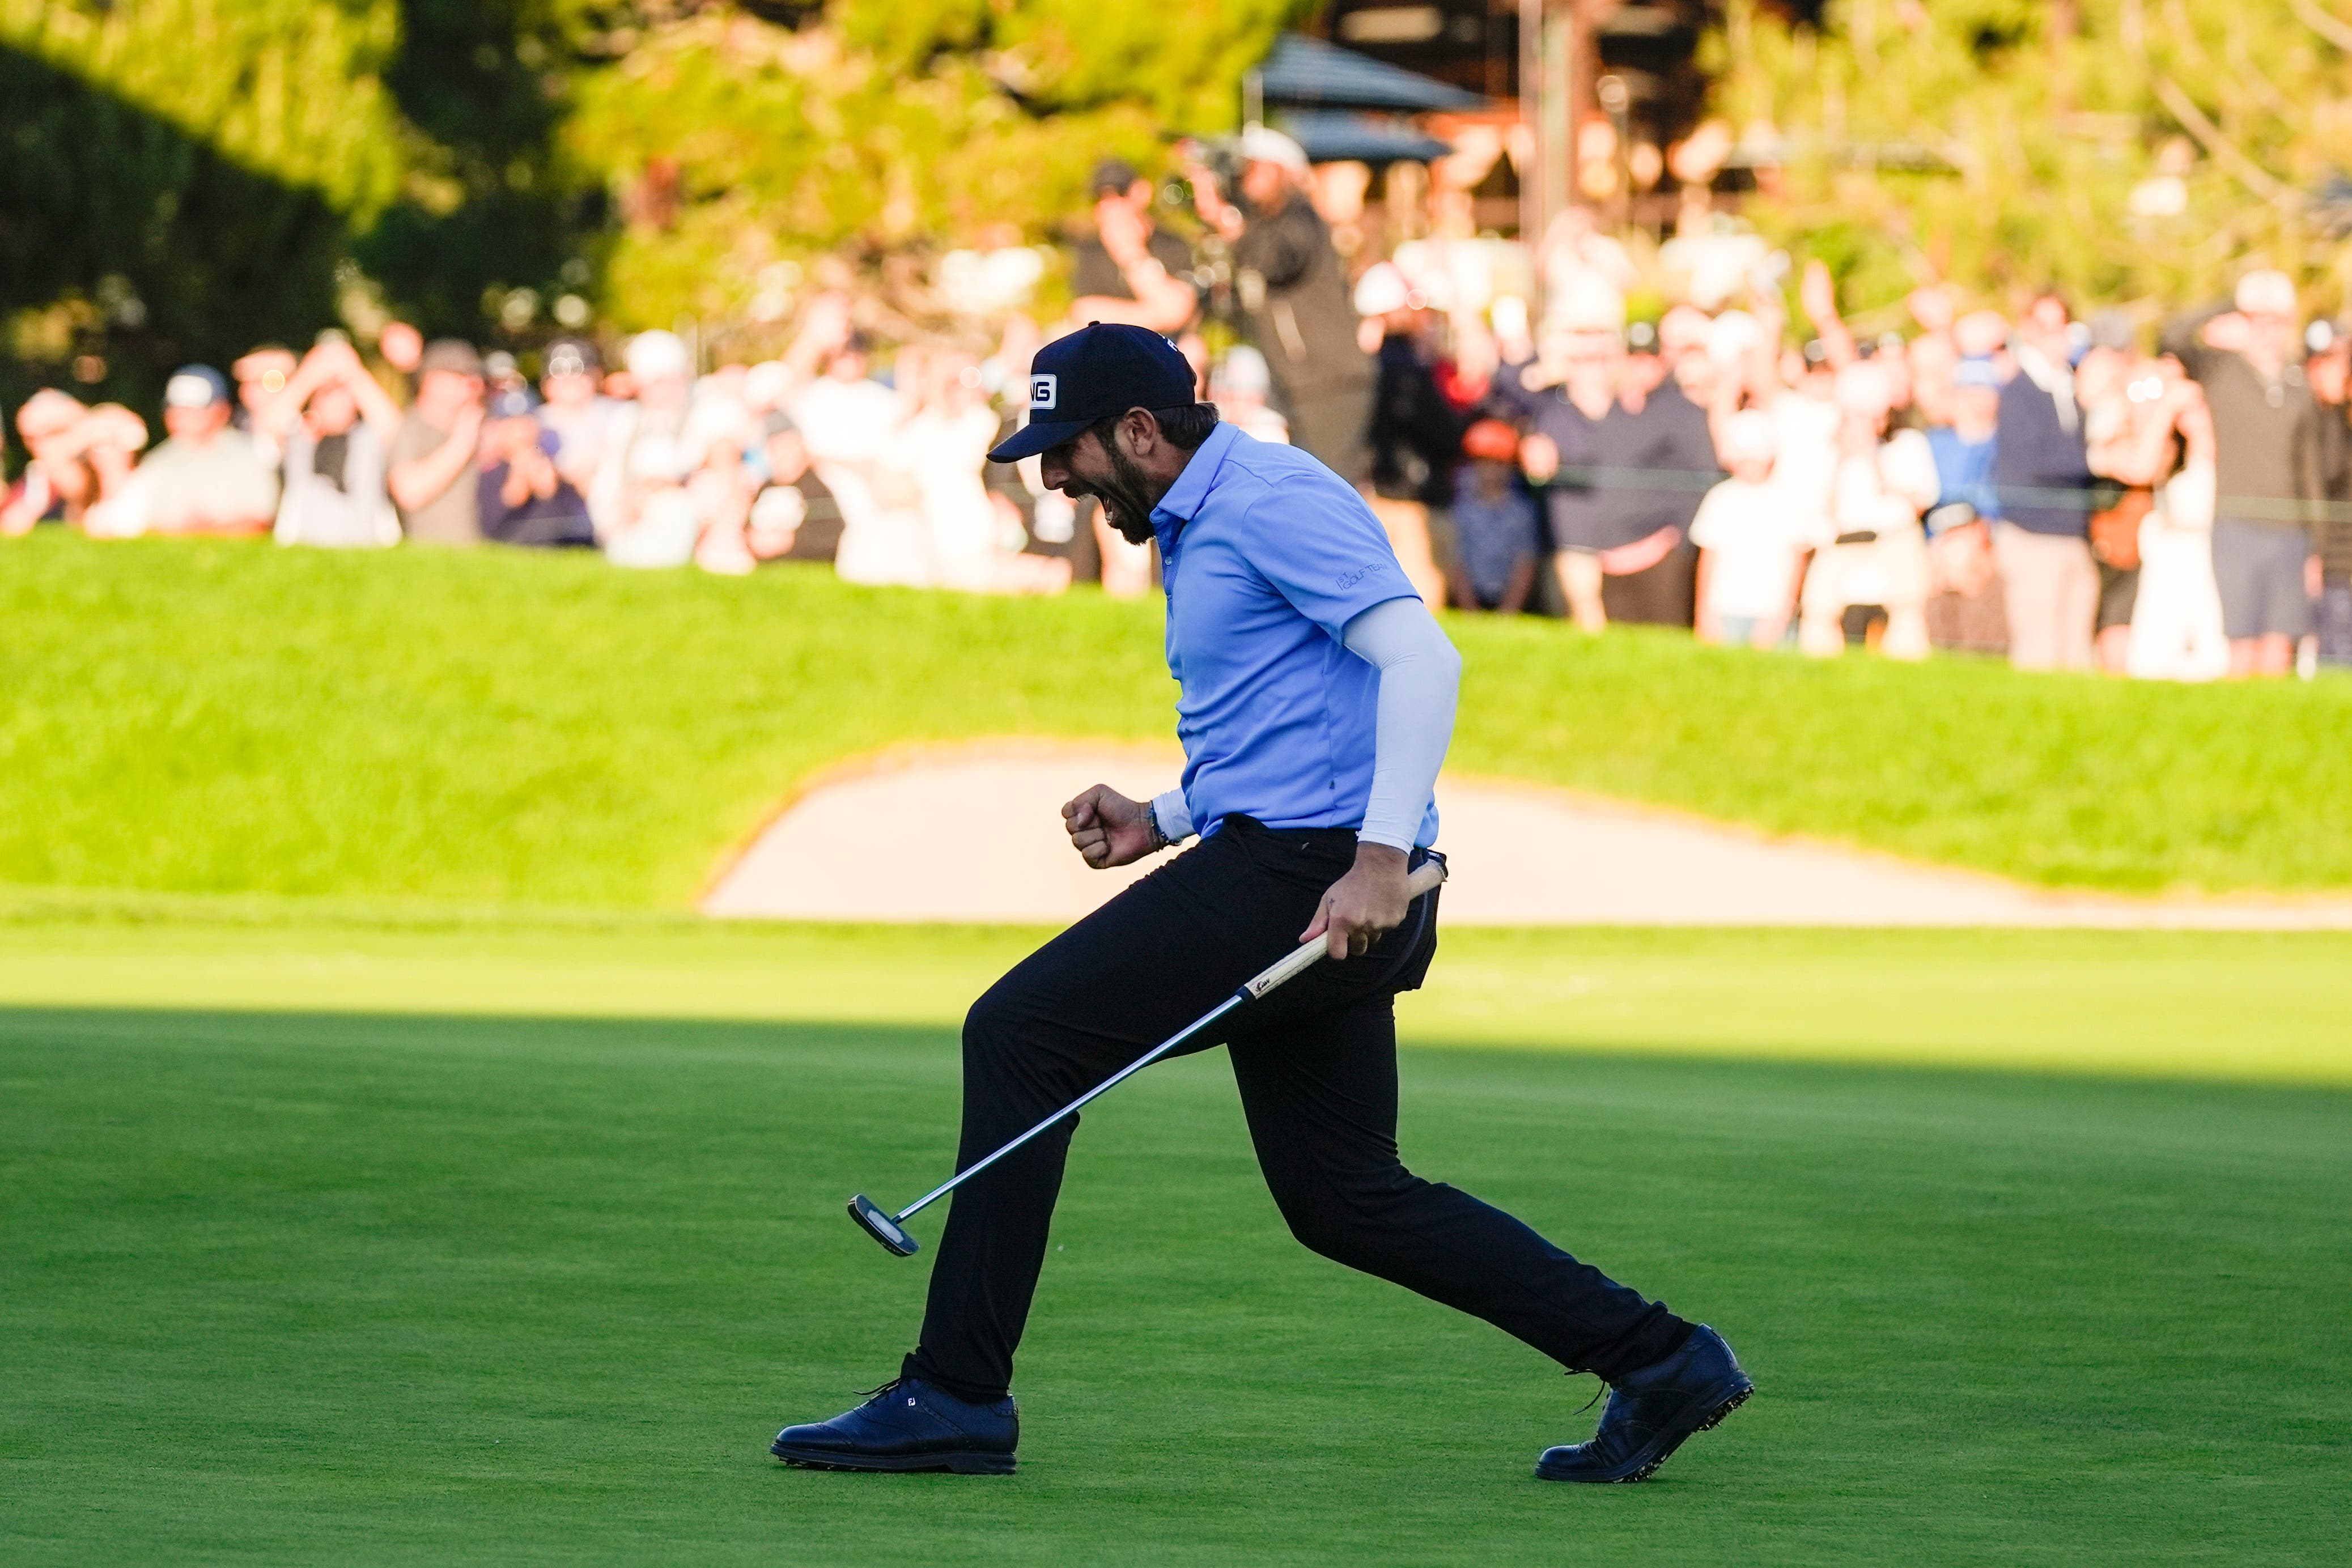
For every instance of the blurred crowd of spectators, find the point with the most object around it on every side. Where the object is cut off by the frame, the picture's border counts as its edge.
(2033, 484)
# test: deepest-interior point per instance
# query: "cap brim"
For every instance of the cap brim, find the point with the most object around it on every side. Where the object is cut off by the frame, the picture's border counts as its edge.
(1033, 438)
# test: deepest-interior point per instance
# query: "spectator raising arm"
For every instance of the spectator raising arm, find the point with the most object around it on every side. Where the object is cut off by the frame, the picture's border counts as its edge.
(1818, 294)
(1164, 304)
(420, 481)
(332, 362)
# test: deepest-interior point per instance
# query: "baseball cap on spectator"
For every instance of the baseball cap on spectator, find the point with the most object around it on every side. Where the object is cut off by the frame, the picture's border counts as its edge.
(1975, 371)
(1749, 434)
(1113, 177)
(1261, 145)
(1096, 373)
(1381, 289)
(453, 355)
(656, 354)
(1590, 303)
(2265, 292)
(1864, 390)
(572, 357)
(1980, 332)
(195, 386)
(47, 413)
(1683, 330)
(1245, 370)
(1731, 336)
(1492, 441)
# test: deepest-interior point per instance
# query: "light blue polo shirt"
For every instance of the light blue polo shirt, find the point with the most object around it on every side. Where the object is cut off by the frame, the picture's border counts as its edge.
(1268, 555)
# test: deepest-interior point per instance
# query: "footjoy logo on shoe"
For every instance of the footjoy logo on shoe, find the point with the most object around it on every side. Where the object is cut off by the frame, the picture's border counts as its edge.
(1045, 392)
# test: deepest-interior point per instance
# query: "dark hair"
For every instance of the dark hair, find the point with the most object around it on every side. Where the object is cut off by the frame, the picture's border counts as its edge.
(1184, 427)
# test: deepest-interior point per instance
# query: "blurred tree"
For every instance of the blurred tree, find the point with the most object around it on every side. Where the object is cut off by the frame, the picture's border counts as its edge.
(2131, 152)
(177, 185)
(494, 216)
(186, 178)
(739, 142)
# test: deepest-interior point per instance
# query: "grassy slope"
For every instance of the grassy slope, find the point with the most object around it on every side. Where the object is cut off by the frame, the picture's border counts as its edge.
(368, 1289)
(503, 727)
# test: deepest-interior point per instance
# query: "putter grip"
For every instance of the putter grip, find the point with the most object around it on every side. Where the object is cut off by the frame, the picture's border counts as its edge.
(1425, 878)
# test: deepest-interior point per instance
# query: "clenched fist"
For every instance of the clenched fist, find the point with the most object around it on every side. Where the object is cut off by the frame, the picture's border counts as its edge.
(1109, 828)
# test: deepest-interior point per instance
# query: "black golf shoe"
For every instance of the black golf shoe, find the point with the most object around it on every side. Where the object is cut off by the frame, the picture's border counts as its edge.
(908, 1425)
(1650, 1411)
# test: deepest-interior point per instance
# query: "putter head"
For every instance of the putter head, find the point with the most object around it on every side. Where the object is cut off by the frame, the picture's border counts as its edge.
(877, 1222)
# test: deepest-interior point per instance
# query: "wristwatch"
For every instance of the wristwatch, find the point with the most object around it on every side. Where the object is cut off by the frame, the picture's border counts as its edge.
(1160, 839)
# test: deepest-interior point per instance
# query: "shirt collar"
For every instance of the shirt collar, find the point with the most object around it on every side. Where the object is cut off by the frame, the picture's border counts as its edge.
(1191, 492)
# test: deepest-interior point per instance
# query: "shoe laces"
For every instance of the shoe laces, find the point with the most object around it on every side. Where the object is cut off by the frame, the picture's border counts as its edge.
(872, 1394)
(1596, 1393)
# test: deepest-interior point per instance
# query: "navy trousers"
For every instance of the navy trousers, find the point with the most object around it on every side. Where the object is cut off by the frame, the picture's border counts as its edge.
(1316, 1063)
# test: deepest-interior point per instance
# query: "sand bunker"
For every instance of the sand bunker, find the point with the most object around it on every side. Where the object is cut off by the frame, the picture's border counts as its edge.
(974, 833)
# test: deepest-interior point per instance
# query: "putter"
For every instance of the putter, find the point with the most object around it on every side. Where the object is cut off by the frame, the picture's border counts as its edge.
(890, 1229)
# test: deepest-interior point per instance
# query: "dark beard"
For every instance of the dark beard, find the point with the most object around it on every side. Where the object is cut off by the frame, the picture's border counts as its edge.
(1127, 497)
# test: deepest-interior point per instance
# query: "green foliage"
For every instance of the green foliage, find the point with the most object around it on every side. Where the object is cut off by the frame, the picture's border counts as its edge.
(412, 1288)
(188, 177)
(181, 177)
(735, 145)
(1999, 144)
(505, 726)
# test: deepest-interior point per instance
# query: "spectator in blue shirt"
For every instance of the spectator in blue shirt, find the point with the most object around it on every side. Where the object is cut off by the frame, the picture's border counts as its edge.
(1495, 531)
(524, 500)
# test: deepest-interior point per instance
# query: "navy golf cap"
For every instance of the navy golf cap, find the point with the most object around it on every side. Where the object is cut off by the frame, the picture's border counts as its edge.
(1094, 373)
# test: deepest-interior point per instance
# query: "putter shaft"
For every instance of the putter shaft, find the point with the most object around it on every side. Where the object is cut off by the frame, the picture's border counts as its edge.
(1425, 878)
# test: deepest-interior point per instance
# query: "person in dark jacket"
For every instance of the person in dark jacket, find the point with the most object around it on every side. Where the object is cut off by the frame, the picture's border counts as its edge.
(2042, 479)
(2329, 372)
(1295, 296)
(1128, 269)
(1416, 434)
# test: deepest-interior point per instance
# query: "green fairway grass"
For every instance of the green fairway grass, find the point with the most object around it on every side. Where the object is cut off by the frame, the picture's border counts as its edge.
(2267, 1006)
(537, 727)
(355, 1287)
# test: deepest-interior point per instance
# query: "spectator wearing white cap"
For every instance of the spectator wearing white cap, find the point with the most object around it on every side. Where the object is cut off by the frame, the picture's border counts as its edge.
(206, 478)
(1752, 536)
(575, 409)
(1293, 296)
(437, 473)
(1239, 387)
(643, 512)
(2269, 468)
(850, 424)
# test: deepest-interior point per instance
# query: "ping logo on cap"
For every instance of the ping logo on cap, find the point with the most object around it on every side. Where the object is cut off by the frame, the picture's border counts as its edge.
(1045, 392)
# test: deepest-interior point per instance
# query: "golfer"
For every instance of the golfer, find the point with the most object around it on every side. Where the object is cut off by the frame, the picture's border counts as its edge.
(1317, 699)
